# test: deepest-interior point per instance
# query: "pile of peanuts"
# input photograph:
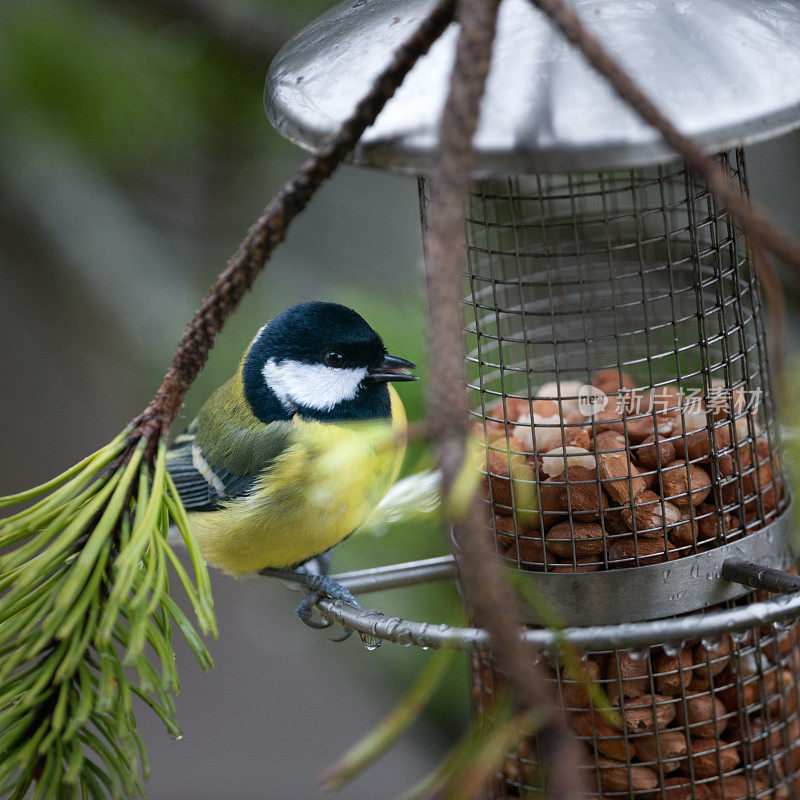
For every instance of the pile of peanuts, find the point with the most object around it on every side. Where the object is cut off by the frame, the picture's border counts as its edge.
(711, 721)
(651, 476)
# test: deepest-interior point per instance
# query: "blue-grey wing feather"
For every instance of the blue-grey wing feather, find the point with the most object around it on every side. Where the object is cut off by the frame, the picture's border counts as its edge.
(203, 484)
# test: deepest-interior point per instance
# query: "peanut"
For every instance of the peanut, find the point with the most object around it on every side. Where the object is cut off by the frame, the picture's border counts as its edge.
(506, 530)
(704, 716)
(505, 470)
(684, 534)
(553, 461)
(685, 484)
(544, 430)
(742, 693)
(649, 517)
(509, 408)
(566, 396)
(617, 776)
(528, 547)
(704, 755)
(668, 748)
(710, 662)
(626, 676)
(679, 788)
(574, 692)
(648, 712)
(623, 552)
(731, 787)
(606, 740)
(584, 538)
(653, 454)
(612, 380)
(786, 641)
(586, 498)
(762, 740)
(706, 516)
(779, 687)
(488, 430)
(551, 509)
(667, 400)
(619, 477)
(671, 672)
(578, 437)
(609, 442)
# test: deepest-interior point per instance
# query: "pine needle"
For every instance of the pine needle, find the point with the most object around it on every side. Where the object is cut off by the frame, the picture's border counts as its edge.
(369, 749)
(84, 588)
(464, 771)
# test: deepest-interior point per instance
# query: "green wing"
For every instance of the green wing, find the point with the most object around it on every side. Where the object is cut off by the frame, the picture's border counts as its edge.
(224, 450)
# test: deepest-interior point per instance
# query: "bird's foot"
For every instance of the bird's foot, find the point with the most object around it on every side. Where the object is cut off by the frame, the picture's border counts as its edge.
(319, 565)
(323, 586)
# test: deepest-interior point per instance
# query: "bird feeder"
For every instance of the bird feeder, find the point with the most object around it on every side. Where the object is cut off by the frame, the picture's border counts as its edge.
(617, 371)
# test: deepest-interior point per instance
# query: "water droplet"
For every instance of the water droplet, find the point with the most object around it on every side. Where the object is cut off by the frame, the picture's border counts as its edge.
(426, 647)
(177, 737)
(711, 643)
(672, 649)
(783, 625)
(638, 653)
(552, 656)
(370, 642)
(537, 656)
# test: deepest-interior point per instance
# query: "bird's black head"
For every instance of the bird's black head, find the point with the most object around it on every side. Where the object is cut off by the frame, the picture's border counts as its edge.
(322, 361)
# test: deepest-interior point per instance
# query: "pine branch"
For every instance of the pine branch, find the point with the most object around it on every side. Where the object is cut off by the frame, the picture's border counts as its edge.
(86, 616)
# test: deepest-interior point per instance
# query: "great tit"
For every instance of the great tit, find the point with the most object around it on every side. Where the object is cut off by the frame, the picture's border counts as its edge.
(290, 455)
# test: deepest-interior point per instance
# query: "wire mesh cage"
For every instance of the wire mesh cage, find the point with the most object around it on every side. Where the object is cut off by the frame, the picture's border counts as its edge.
(708, 719)
(619, 381)
(619, 368)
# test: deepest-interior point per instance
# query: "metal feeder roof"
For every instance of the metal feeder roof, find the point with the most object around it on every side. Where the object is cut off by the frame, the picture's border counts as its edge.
(725, 71)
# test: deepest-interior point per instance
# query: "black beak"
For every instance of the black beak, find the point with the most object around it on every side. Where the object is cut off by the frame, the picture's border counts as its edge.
(393, 368)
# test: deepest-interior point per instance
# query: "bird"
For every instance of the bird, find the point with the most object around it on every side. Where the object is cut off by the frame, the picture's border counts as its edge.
(291, 454)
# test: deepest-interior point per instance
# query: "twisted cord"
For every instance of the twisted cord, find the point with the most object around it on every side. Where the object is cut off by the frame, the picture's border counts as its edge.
(485, 588)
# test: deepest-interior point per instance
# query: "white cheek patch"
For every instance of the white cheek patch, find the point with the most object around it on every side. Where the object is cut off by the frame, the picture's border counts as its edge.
(312, 385)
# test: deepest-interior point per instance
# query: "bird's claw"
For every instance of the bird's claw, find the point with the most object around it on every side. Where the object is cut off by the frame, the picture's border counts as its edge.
(346, 634)
(305, 610)
(323, 586)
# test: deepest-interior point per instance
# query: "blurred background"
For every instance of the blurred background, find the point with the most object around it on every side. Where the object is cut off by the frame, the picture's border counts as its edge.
(134, 154)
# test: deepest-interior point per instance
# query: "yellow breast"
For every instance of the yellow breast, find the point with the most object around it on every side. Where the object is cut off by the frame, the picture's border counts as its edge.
(317, 492)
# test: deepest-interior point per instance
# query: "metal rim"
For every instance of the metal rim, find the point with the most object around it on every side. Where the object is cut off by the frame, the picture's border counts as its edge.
(658, 590)
(372, 623)
(545, 108)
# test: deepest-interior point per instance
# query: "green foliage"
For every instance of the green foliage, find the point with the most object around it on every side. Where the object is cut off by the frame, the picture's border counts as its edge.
(86, 623)
(382, 738)
(465, 771)
(128, 93)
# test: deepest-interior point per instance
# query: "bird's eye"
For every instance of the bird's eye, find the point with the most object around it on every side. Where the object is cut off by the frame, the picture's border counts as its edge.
(334, 359)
